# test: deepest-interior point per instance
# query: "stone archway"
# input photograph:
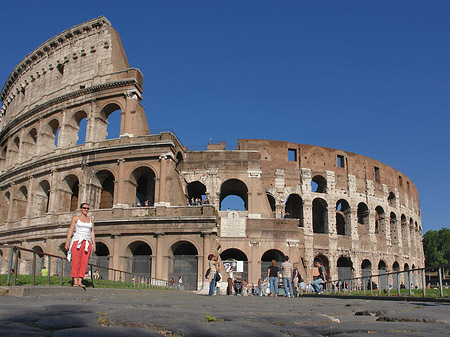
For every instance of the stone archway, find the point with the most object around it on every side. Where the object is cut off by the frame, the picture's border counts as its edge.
(235, 255)
(266, 260)
(184, 262)
(101, 259)
(139, 259)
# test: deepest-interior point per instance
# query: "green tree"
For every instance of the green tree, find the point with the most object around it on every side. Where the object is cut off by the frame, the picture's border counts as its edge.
(436, 247)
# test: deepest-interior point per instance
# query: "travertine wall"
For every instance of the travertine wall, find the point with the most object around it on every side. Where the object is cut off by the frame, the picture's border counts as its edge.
(300, 200)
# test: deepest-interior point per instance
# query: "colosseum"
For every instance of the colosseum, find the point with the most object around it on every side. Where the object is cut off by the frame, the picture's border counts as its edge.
(356, 214)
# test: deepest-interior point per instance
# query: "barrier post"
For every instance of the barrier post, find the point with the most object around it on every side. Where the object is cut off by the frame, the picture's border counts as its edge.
(48, 267)
(10, 267)
(441, 290)
(424, 286)
(61, 272)
(33, 270)
(409, 283)
(16, 266)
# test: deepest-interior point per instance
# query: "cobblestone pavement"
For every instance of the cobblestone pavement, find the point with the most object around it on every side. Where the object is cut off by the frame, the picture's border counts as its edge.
(62, 311)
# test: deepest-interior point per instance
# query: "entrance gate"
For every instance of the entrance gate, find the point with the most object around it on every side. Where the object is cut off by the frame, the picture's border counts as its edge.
(102, 261)
(185, 266)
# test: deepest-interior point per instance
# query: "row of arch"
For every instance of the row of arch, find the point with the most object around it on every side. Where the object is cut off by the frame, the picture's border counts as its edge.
(67, 194)
(51, 133)
(293, 208)
(102, 191)
(183, 261)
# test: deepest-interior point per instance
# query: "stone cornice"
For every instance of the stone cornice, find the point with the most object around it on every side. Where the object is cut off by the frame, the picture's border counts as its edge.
(66, 97)
(48, 47)
(83, 154)
(127, 224)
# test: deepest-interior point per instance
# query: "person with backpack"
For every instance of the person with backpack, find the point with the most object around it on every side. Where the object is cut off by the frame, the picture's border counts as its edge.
(214, 265)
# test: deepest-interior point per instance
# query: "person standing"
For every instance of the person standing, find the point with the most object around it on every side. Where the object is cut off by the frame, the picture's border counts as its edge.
(286, 269)
(180, 283)
(44, 271)
(274, 276)
(295, 279)
(213, 269)
(230, 280)
(218, 283)
(322, 278)
(81, 245)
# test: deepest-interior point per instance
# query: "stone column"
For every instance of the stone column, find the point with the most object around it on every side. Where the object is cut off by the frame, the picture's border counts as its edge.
(119, 184)
(31, 204)
(11, 201)
(162, 198)
(254, 269)
(54, 181)
(159, 256)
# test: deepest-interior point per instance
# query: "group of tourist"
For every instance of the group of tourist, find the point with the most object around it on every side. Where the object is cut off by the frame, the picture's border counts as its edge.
(196, 201)
(291, 279)
(80, 242)
(293, 283)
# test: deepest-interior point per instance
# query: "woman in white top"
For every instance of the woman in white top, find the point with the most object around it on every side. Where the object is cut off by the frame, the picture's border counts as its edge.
(81, 245)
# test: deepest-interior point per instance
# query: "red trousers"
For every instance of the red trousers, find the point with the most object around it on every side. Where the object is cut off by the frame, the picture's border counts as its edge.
(80, 259)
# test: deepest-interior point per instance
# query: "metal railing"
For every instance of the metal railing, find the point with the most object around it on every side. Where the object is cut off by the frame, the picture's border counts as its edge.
(114, 276)
(389, 283)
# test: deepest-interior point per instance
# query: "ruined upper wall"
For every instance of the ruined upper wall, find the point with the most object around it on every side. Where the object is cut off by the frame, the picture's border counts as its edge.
(83, 56)
(275, 155)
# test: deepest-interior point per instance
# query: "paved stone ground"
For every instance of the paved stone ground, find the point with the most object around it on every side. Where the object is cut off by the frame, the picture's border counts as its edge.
(110, 312)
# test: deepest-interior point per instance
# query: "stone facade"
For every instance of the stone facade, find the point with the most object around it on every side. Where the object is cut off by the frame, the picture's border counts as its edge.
(354, 213)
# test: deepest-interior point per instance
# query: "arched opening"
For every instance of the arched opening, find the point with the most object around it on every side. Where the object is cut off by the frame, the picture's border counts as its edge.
(179, 160)
(345, 268)
(366, 268)
(78, 127)
(319, 184)
(234, 256)
(380, 225)
(42, 198)
(294, 208)
(196, 192)
(343, 216)
(412, 238)
(144, 178)
(104, 189)
(363, 215)
(393, 225)
(184, 262)
(236, 193)
(266, 261)
(20, 207)
(40, 261)
(70, 192)
(271, 200)
(395, 279)
(53, 127)
(29, 144)
(108, 125)
(391, 199)
(320, 216)
(382, 278)
(4, 206)
(3, 153)
(325, 262)
(141, 259)
(405, 230)
(406, 276)
(101, 259)
(13, 154)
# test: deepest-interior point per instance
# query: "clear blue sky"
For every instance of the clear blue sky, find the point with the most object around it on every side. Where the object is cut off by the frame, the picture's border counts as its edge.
(371, 77)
